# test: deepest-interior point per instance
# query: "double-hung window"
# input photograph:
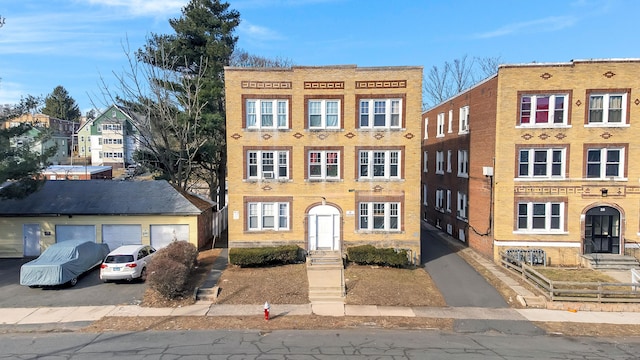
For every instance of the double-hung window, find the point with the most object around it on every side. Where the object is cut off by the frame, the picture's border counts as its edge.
(268, 216)
(324, 114)
(265, 165)
(440, 125)
(605, 162)
(450, 126)
(463, 163)
(439, 199)
(544, 110)
(541, 163)
(425, 161)
(379, 164)
(267, 114)
(323, 164)
(439, 162)
(463, 206)
(463, 122)
(607, 109)
(379, 216)
(540, 217)
(380, 113)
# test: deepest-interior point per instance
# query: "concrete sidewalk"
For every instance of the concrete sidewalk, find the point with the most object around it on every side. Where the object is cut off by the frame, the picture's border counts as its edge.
(84, 314)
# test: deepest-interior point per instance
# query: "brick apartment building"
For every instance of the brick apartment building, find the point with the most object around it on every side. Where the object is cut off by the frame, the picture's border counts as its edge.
(548, 152)
(324, 157)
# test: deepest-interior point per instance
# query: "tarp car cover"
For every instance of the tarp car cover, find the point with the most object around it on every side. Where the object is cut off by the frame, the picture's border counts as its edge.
(62, 262)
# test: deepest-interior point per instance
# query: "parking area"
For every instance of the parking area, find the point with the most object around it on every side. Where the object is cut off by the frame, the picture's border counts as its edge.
(89, 291)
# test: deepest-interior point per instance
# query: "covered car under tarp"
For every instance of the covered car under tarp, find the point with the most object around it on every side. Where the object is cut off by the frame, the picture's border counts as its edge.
(63, 262)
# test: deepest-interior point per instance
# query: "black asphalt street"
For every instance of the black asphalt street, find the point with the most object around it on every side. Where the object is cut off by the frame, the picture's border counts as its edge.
(315, 344)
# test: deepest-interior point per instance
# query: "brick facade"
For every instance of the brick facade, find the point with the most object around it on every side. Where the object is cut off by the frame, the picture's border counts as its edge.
(535, 120)
(302, 198)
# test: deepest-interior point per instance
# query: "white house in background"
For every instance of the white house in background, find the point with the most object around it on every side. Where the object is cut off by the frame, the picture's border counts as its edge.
(110, 139)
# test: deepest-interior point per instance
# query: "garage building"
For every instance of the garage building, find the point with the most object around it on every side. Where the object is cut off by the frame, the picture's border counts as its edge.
(112, 212)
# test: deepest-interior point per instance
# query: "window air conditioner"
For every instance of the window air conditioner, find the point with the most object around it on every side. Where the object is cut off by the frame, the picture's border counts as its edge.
(267, 174)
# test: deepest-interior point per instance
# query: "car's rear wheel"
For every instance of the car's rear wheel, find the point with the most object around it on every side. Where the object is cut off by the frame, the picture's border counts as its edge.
(143, 275)
(73, 282)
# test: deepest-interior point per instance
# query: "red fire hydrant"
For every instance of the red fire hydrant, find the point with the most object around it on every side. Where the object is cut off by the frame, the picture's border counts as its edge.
(267, 307)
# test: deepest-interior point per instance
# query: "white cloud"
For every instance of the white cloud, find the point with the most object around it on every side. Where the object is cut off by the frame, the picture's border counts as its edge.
(256, 4)
(143, 7)
(257, 33)
(552, 23)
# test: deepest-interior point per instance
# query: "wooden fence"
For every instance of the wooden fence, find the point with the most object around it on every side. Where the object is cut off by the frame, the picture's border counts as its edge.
(573, 290)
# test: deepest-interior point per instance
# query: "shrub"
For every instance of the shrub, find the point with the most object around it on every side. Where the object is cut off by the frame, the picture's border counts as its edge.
(264, 256)
(181, 251)
(370, 255)
(167, 277)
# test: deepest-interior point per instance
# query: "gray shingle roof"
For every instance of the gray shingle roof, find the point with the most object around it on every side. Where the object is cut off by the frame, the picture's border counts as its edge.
(101, 197)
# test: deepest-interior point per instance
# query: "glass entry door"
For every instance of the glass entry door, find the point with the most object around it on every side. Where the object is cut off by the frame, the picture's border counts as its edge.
(602, 231)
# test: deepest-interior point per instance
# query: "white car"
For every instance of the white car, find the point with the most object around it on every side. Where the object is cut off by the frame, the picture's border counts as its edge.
(127, 262)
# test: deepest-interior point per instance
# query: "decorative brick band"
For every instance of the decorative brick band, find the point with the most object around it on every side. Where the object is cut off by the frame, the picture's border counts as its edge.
(582, 190)
(385, 84)
(266, 85)
(323, 85)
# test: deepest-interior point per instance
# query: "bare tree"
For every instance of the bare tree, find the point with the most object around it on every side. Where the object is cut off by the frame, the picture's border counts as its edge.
(454, 77)
(167, 108)
(242, 58)
(436, 85)
(488, 65)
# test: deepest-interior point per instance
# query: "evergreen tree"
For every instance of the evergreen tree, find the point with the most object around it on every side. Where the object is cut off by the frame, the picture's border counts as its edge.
(60, 105)
(203, 43)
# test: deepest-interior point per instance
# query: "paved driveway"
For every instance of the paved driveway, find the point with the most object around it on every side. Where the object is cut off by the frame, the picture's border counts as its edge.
(90, 290)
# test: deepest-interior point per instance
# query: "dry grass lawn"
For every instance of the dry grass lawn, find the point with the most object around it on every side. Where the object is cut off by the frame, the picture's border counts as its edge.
(365, 285)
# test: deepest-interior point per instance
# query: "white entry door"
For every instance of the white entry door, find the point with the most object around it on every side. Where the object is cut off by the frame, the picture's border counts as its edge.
(31, 233)
(324, 228)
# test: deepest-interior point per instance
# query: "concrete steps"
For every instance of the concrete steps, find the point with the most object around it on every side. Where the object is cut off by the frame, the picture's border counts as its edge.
(611, 262)
(207, 294)
(325, 272)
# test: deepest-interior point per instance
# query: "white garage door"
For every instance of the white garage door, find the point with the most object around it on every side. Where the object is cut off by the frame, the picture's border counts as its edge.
(118, 235)
(75, 232)
(162, 235)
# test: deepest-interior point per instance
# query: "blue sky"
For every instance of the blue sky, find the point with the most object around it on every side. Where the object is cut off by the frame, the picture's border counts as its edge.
(76, 43)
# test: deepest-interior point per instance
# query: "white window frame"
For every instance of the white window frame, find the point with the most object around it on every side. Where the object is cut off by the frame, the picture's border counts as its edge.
(369, 211)
(255, 112)
(370, 111)
(463, 121)
(604, 163)
(258, 160)
(535, 98)
(606, 110)
(440, 125)
(324, 113)
(439, 205)
(528, 217)
(440, 162)
(425, 161)
(323, 165)
(370, 161)
(425, 194)
(426, 128)
(463, 163)
(448, 209)
(450, 123)
(462, 211)
(259, 212)
(532, 163)
(449, 156)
